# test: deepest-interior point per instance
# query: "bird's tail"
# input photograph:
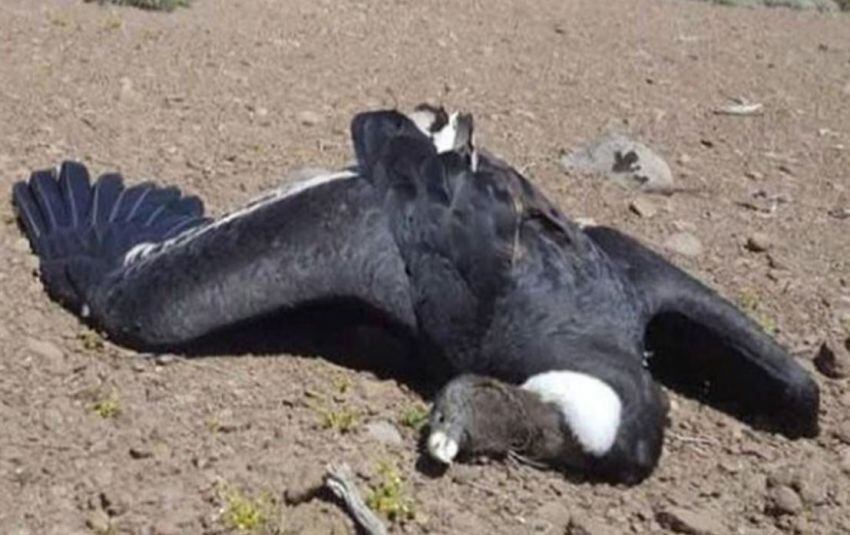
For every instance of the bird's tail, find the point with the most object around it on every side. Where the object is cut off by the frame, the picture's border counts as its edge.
(82, 232)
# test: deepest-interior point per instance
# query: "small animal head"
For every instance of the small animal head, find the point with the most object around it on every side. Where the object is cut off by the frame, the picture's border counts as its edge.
(476, 415)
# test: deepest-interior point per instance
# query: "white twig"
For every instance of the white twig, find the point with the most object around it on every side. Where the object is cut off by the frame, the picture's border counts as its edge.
(341, 482)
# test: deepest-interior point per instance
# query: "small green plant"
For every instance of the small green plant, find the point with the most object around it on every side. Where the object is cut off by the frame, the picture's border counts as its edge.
(113, 22)
(342, 419)
(389, 497)
(91, 340)
(108, 407)
(751, 303)
(342, 384)
(414, 417)
(154, 5)
(244, 513)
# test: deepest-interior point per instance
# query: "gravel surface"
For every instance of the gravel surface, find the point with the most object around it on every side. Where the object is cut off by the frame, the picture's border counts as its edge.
(228, 96)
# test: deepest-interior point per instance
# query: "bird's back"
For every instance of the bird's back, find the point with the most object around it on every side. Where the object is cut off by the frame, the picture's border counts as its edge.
(502, 282)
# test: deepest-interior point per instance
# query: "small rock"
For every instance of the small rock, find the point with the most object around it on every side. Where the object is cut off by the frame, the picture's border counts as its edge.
(758, 242)
(781, 476)
(776, 263)
(583, 525)
(811, 485)
(784, 501)
(685, 244)
(643, 207)
(45, 349)
(833, 363)
(623, 160)
(140, 452)
(98, 521)
(684, 159)
(309, 118)
(680, 520)
(114, 503)
(846, 89)
(384, 432)
(555, 514)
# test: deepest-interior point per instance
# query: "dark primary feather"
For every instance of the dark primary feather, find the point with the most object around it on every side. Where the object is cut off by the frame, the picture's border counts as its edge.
(196, 276)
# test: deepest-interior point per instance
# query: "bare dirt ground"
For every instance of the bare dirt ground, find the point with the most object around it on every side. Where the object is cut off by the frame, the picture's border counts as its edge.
(226, 97)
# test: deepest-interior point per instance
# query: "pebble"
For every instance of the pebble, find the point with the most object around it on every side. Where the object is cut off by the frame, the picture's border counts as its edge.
(833, 360)
(758, 242)
(685, 244)
(140, 452)
(784, 501)
(115, 503)
(644, 207)
(583, 525)
(384, 432)
(681, 520)
(309, 118)
(45, 349)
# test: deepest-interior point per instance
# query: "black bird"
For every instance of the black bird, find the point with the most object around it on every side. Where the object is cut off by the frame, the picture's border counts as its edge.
(452, 246)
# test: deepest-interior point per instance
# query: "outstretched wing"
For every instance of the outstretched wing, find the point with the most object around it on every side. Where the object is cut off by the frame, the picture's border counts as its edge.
(698, 337)
(147, 267)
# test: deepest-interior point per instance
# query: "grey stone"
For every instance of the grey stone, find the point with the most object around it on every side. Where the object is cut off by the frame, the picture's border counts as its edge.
(45, 349)
(758, 242)
(626, 162)
(584, 525)
(685, 244)
(384, 432)
(308, 118)
(644, 207)
(833, 360)
(681, 520)
(784, 501)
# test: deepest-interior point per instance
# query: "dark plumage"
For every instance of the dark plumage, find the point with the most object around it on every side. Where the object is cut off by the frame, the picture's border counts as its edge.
(451, 246)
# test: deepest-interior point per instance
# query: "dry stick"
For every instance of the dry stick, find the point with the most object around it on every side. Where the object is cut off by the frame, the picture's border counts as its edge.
(341, 482)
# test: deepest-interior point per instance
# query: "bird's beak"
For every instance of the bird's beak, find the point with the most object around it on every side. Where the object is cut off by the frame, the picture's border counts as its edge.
(442, 448)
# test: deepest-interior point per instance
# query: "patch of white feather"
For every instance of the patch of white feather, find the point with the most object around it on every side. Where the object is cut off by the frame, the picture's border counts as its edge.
(443, 139)
(149, 249)
(591, 408)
